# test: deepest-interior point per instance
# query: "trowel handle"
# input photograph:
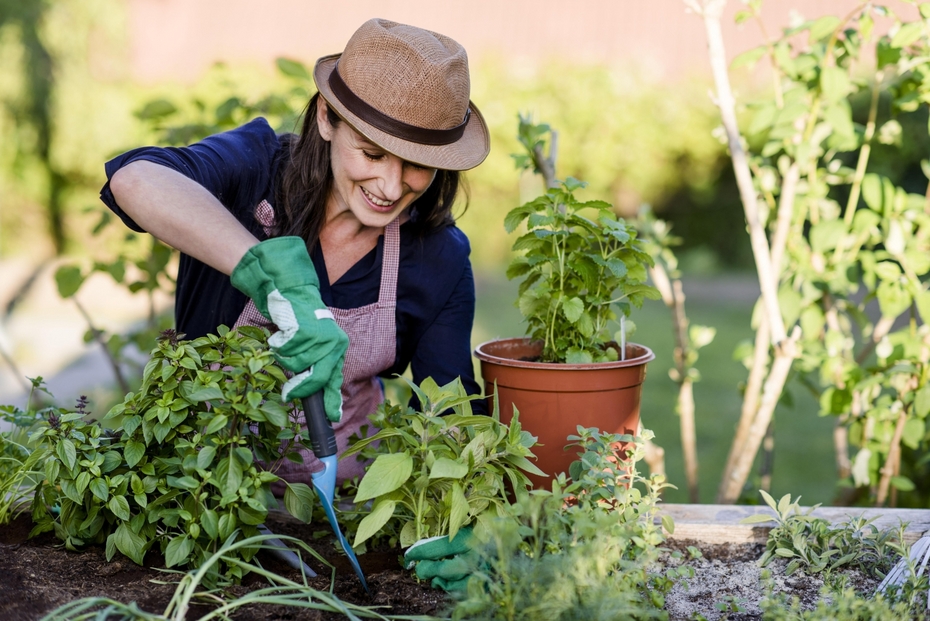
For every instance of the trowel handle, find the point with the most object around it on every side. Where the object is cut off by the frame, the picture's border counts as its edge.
(322, 438)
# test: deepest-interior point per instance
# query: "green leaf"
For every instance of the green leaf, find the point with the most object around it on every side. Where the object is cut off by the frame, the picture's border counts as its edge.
(914, 430)
(52, 469)
(872, 191)
(789, 302)
(227, 525)
(119, 506)
(922, 300)
(155, 109)
(161, 431)
(893, 299)
(275, 413)
(834, 83)
(218, 422)
(784, 552)
(293, 68)
(205, 394)
(69, 279)
(251, 515)
(380, 513)
(233, 476)
(825, 235)
(524, 464)
(907, 34)
(458, 515)
(129, 543)
(131, 423)
(186, 482)
(133, 453)
(445, 468)
(408, 534)
(922, 401)
(210, 523)
(823, 27)
(903, 484)
(298, 500)
(81, 482)
(386, 473)
(177, 551)
(576, 355)
(205, 457)
(758, 518)
(749, 58)
(885, 53)
(99, 488)
(573, 308)
(66, 453)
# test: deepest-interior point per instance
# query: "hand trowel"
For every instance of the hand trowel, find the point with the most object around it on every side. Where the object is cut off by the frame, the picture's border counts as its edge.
(323, 444)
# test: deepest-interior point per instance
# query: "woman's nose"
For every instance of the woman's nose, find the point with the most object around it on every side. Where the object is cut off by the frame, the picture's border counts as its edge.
(392, 178)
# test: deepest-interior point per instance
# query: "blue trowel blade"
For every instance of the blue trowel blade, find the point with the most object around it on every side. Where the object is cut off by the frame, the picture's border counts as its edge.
(324, 482)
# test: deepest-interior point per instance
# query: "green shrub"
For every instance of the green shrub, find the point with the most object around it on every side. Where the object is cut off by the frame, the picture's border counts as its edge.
(181, 472)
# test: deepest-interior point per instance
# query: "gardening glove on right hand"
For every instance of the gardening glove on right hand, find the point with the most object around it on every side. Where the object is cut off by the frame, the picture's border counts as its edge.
(447, 564)
(279, 276)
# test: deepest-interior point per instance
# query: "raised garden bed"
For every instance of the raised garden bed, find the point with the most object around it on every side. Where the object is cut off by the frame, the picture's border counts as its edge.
(728, 581)
(37, 575)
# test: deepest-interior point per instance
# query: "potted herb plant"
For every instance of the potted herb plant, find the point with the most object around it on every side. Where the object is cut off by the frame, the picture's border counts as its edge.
(582, 271)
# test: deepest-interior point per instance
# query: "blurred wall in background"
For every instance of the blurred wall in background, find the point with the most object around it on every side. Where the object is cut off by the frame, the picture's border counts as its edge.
(180, 39)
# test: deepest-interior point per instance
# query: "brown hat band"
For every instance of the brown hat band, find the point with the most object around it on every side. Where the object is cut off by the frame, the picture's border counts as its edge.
(421, 135)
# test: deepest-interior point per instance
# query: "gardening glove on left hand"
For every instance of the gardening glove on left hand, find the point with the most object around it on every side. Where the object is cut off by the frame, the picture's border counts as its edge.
(447, 564)
(279, 276)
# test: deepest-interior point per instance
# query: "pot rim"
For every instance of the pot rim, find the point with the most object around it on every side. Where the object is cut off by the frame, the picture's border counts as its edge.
(483, 356)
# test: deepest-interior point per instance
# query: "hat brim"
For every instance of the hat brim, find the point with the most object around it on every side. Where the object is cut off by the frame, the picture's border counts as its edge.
(463, 154)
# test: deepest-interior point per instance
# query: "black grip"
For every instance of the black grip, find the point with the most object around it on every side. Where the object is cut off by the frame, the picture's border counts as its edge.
(322, 438)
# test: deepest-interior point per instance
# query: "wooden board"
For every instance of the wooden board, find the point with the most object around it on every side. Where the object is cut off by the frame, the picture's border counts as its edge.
(721, 523)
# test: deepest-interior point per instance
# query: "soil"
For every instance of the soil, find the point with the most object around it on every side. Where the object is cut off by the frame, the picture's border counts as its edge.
(728, 582)
(38, 575)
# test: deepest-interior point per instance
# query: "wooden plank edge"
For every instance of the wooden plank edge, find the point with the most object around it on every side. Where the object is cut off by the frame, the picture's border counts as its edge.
(720, 524)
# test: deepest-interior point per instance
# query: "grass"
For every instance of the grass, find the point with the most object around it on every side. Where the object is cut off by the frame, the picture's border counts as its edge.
(803, 463)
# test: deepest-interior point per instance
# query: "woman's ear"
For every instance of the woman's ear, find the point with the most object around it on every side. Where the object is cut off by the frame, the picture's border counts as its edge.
(322, 120)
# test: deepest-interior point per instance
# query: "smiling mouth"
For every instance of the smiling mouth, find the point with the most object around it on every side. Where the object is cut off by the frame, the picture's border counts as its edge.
(377, 202)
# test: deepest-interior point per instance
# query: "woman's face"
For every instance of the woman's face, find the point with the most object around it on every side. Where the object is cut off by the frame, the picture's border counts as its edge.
(369, 183)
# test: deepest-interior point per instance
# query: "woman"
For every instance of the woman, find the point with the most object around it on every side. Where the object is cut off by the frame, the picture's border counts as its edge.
(340, 238)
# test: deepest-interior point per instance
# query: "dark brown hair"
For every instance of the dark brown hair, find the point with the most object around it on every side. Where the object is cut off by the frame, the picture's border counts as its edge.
(305, 179)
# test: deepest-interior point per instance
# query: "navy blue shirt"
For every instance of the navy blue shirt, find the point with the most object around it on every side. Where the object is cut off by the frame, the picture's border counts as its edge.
(435, 286)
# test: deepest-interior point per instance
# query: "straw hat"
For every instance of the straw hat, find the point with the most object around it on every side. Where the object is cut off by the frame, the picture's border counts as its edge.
(406, 89)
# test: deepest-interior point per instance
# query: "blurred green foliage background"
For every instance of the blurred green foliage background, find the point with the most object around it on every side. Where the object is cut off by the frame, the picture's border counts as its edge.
(67, 105)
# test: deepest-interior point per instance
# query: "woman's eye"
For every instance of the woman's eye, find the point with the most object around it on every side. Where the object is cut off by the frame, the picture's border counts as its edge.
(374, 157)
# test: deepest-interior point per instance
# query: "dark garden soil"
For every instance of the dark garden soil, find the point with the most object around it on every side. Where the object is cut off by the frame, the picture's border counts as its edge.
(38, 575)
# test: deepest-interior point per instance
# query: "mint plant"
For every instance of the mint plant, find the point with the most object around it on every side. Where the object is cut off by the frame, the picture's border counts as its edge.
(580, 262)
(440, 468)
(181, 470)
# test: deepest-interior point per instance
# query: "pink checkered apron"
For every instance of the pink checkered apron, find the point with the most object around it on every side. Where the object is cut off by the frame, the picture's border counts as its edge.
(372, 333)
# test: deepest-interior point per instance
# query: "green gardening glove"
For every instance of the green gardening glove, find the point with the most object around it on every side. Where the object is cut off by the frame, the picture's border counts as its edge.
(280, 278)
(447, 564)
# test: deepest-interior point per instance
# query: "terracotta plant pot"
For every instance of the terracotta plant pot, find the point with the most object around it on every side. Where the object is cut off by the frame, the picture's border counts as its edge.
(554, 398)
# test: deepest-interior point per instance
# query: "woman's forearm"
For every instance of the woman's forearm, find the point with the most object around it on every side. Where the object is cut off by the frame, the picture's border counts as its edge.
(181, 213)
